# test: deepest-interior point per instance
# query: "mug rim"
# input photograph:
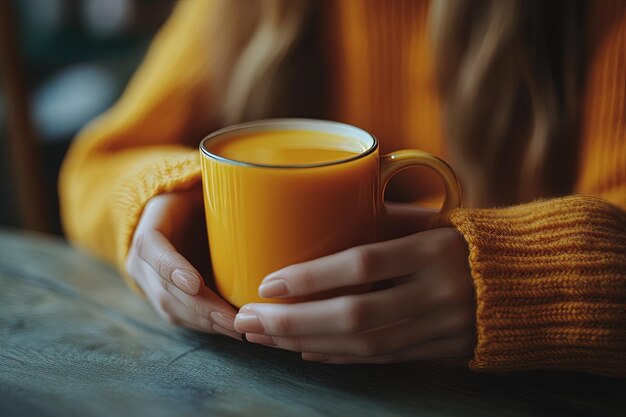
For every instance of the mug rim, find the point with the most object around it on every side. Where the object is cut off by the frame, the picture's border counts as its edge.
(282, 122)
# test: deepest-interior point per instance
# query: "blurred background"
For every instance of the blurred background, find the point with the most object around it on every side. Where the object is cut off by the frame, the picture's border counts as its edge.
(62, 62)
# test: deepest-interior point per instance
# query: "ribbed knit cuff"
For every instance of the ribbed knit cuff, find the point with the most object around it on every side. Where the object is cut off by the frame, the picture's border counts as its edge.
(160, 170)
(550, 279)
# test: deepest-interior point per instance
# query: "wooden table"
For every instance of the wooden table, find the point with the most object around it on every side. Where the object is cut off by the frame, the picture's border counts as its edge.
(75, 341)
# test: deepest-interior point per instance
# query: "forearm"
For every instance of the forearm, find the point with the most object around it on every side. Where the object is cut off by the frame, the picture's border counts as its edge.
(145, 144)
(102, 196)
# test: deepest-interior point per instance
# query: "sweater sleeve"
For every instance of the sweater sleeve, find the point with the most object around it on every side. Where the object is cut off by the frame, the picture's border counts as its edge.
(550, 276)
(143, 145)
(550, 279)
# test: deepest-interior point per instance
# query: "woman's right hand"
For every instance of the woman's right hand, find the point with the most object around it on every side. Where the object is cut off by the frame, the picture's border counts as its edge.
(171, 233)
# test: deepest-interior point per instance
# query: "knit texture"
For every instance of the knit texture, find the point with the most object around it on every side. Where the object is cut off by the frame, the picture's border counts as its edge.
(143, 146)
(550, 276)
(550, 284)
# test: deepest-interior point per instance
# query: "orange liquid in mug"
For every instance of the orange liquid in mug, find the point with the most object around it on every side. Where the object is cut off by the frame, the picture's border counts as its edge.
(261, 219)
(287, 147)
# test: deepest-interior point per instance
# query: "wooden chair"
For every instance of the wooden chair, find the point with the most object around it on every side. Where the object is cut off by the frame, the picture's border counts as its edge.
(23, 146)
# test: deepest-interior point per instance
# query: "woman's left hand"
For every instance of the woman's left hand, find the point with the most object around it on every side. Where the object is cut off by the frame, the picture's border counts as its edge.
(425, 309)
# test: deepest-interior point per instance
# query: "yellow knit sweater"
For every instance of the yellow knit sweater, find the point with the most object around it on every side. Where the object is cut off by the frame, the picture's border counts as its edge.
(550, 276)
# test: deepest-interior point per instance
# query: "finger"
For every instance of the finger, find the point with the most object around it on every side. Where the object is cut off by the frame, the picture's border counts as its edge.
(169, 307)
(160, 254)
(384, 340)
(359, 265)
(457, 346)
(183, 316)
(347, 314)
(155, 294)
(205, 303)
(177, 313)
(135, 270)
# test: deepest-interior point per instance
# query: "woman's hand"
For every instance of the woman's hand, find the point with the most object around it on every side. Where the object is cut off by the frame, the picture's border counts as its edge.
(425, 309)
(170, 234)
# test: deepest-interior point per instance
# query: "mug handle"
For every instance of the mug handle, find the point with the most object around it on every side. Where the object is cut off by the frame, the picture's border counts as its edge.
(394, 162)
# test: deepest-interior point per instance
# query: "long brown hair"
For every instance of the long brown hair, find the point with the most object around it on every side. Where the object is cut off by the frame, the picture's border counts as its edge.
(510, 76)
(267, 59)
(509, 73)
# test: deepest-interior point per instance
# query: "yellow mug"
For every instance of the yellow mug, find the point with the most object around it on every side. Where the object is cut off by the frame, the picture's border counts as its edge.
(262, 217)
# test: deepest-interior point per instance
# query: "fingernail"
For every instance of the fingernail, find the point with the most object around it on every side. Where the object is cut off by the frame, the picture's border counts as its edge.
(248, 323)
(315, 357)
(223, 320)
(186, 281)
(275, 288)
(261, 339)
(226, 332)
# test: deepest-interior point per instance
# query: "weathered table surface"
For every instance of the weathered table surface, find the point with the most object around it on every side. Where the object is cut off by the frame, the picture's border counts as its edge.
(74, 341)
